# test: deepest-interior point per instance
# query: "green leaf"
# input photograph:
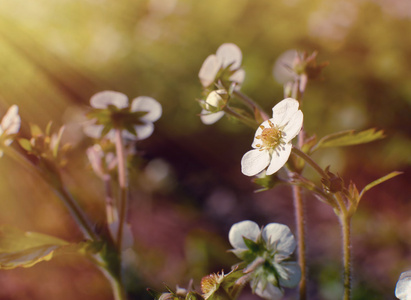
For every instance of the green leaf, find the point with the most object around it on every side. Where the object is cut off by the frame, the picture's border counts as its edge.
(25, 249)
(25, 144)
(377, 182)
(349, 138)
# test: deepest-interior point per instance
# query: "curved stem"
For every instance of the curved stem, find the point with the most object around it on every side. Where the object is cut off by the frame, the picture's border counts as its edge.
(76, 212)
(250, 102)
(311, 162)
(247, 121)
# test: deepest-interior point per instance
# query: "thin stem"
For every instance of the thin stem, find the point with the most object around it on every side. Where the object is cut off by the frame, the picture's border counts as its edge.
(250, 102)
(346, 233)
(123, 182)
(309, 160)
(300, 224)
(247, 121)
(111, 211)
(75, 210)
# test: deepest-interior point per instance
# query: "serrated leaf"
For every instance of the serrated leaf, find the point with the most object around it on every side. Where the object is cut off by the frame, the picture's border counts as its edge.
(378, 181)
(25, 249)
(348, 138)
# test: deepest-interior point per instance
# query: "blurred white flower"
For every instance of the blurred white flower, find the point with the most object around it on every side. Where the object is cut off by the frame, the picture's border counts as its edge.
(228, 56)
(272, 140)
(10, 124)
(112, 110)
(267, 253)
(101, 162)
(213, 107)
(403, 287)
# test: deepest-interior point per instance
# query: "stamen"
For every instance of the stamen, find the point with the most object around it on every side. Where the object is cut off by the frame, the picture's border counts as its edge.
(262, 127)
(271, 124)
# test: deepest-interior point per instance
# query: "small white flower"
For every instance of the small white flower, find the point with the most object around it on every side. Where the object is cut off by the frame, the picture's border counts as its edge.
(275, 244)
(10, 124)
(403, 287)
(212, 112)
(283, 70)
(227, 55)
(100, 161)
(105, 99)
(272, 140)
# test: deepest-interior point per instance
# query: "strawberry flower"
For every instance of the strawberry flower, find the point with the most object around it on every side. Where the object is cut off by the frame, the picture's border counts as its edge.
(272, 140)
(112, 110)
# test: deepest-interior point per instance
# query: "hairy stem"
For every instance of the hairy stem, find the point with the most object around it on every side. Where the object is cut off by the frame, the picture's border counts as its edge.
(346, 233)
(310, 161)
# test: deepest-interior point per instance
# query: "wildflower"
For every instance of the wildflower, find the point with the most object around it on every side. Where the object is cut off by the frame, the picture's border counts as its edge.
(213, 107)
(403, 287)
(266, 252)
(10, 125)
(225, 65)
(272, 140)
(112, 110)
(101, 162)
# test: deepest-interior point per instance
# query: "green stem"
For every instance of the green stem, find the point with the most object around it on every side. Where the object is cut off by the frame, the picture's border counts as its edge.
(123, 182)
(346, 233)
(76, 212)
(247, 121)
(311, 162)
(250, 102)
(300, 224)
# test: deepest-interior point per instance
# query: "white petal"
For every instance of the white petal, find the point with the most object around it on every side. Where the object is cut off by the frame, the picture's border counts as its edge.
(248, 229)
(293, 274)
(104, 99)
(282, 68)
(148, 104)
(403, 287)
(208, 118)
(293, 127)
(284, 110)
(143, 131)
(11, 120)
(230, 54)
(254, 161)
(209, 70)
(238, 77)
(279, 158)
(281, 235)
(93, 131)
(268, 291)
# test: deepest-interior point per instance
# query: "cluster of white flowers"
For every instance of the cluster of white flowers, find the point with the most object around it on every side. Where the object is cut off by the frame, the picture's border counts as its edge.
(272, 140)
(269, 261)
(144, 128)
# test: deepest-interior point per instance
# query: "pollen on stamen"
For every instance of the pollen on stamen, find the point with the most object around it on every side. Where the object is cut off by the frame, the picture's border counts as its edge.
(262, 127)
(271, 123)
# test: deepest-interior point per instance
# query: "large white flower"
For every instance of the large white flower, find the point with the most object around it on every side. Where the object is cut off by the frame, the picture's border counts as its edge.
(268, 259)
(229, 56)
(272, 140)
(403, 287)
(10, 125)
(143, 127)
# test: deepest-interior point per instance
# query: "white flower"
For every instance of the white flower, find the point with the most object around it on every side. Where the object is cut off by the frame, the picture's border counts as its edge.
(275, 244)
(283, 70)
(10, 124)
(212, 112)
(227, 55)
(403, 287)
(144, 128)
(272, 140)
(100, 161)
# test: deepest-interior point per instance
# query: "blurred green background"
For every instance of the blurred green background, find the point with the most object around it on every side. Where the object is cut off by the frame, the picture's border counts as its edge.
(187, 187)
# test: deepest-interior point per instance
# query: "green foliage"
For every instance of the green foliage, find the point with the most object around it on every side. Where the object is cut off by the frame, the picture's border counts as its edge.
(25, 249)
(348, 138)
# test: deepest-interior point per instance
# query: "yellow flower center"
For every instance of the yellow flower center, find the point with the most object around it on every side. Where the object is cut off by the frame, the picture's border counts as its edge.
(270, 137)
